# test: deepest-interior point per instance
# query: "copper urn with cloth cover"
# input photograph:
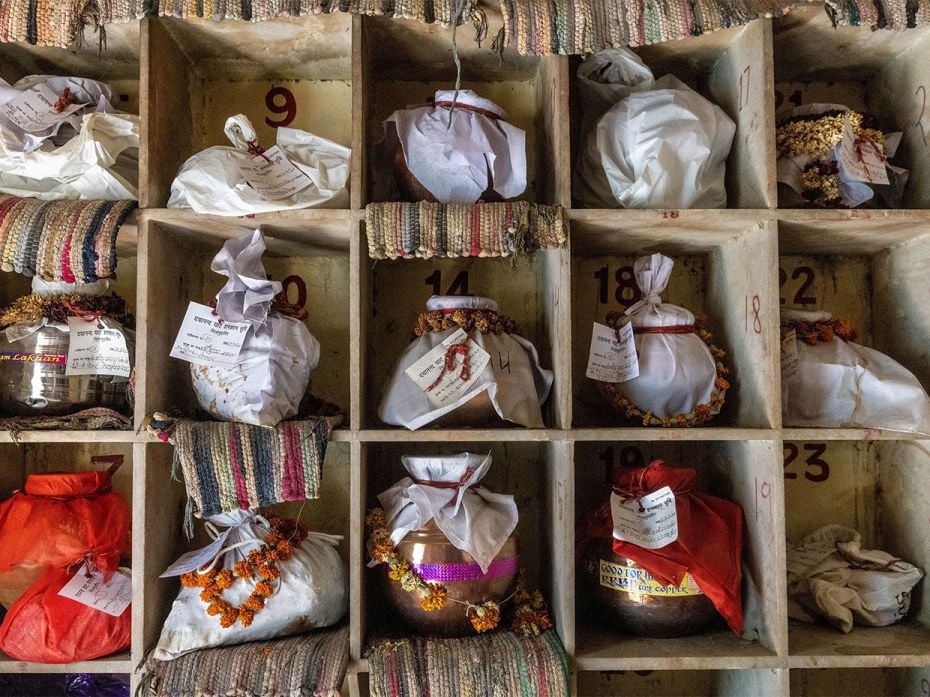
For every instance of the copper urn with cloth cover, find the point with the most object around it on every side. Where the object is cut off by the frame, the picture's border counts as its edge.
(454, 533)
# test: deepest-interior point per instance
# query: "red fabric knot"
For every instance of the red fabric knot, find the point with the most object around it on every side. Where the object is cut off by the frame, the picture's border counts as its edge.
(64, 100)
(86, 315)
(257, 150)
(677, 329)
(450, 364)
(467, 107)
(447, 485)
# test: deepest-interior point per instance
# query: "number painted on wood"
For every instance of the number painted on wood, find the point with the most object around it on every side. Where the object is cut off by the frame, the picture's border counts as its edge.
(817, 469)
(925, 687)
(756, 320)
(280, 100)
(801, 296)
(670, 214)
(919, 123)
(459, 285)
(626, 293)
(744, 87)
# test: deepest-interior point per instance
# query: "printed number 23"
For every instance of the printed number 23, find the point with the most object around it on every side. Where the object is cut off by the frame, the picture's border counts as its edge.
(821, 470)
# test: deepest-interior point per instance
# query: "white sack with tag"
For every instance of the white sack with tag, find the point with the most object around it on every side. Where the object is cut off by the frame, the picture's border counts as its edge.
(664, 147)
(512, 377)
(443, 488)
(312, 591)
(677, 371)
(831, 576)
(841, 384)
(271, 374)
(213, 180)
(458, 163)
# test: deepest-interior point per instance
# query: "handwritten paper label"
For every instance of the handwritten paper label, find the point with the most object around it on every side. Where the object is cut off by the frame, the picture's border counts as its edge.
(789, 355)
(195, 559)
(651, 522)
(273, 176)
(862, 160)
(432, 367)
(112, 596)
(34, 109)
(612, 359)
(95, 349)
(205, 339)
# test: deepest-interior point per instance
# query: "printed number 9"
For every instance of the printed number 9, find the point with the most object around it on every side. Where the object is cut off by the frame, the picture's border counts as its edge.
(280, 100)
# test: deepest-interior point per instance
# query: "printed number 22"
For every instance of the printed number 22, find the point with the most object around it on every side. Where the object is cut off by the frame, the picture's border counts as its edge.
(814, 460)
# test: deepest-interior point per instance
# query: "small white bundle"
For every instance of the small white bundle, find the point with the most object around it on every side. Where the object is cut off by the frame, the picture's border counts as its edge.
(301, 171)
(311, 592)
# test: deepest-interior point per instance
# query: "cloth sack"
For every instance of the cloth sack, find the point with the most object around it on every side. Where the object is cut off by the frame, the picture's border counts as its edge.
(677, 372)
(710, 536)
(516, 393)
(212, 180)
(473, 519)
(659, 147)
(56, 521)
(272, 372)
(841, 384)
(831, 576)
(607, 77)
(312, 591)
(458, 164)
(91, 153)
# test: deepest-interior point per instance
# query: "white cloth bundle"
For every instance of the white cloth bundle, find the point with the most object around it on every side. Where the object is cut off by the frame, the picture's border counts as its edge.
(312, 591)
(212, 181)
(676, 371)
(460, 163)
(272, 372)
(473, 519)
(840, 384)
(829, 574)
(515, 382)
(87, 151)
(661, 144)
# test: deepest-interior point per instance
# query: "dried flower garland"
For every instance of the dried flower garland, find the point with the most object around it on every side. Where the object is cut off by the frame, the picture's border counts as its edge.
(531, 617)
(58, 308)
(702, 412)
(260, 563)
(821, 331)
(484, 321)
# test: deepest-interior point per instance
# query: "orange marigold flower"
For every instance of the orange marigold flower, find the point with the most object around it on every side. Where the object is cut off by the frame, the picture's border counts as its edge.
(721, 384)
(228, 619)
(214, 609)
(255, 557)
(192, 580)
(269, 572)
(485, 617)
(273, 538)
(208, 595)
(255, 603)
(682, 420)
(375, 519)
(398, 570)
(702, 412)
(382, 550)
(666, 421)
(246, 616)
(285, 551)
(224, 579)
(263, 589)
(436, 599)
(243, 569)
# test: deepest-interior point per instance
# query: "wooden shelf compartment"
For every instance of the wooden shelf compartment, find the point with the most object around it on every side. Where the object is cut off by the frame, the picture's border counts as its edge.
(732, 69)
(883, 73)
(860, 682)
(293, 72)
(683, 683)
(880, 489)
(725, 270)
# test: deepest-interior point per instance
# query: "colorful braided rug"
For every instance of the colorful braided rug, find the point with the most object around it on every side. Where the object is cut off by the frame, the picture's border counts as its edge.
(424, 230)
(71, 241)
(499, 664)
(229, 465)
(310, 665)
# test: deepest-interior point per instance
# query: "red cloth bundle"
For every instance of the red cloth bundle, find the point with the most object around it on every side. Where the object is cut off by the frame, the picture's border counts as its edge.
(710, 536)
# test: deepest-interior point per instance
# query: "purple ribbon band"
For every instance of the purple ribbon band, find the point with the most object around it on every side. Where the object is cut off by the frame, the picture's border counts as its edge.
(469, 571)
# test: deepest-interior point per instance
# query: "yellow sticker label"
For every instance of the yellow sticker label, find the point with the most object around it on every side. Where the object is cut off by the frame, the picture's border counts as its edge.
(630, 580)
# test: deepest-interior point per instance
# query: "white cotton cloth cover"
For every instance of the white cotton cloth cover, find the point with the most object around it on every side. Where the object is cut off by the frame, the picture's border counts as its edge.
(311, 593)
(516, 392)
(605, 78)
(454, 164)
(676, 371)
(92, 154)
(212, 182)
(475, 520)
(841, 384)
(664, 147)
(830, 575)
(271, 375)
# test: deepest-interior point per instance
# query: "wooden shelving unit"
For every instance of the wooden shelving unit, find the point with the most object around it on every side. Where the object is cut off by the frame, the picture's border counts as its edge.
(343, 75)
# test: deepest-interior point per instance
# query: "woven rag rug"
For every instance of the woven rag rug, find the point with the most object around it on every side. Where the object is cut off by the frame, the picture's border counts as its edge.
(95, 419)
(227, 466)
(425, 230)
(71, 241)
(499, 664)
(310, 665)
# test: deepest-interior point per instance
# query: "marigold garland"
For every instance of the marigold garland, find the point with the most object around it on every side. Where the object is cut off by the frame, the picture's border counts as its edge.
(278, 545)
(58, 308)
(485, 321)
(821, 331)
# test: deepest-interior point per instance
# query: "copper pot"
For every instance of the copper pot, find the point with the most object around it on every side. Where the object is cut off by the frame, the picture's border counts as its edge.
(434, 558)
(412, 190)
(477, 411)
(624, 592)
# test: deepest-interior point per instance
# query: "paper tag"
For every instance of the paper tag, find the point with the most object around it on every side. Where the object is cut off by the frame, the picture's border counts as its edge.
(273, 176)
(789, 355)
(205, 339)
(430, 367)
(611, 360)
(803, 559)
(94, 349)
(195, 559)
(863, 161)
(111, 597)
(34, 109)
(653, 527)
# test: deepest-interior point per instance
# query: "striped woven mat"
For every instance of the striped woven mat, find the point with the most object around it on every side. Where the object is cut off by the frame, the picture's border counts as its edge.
(500, 664)
(71, 241)
(310, 665)
(227, 466)
(424, 230)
